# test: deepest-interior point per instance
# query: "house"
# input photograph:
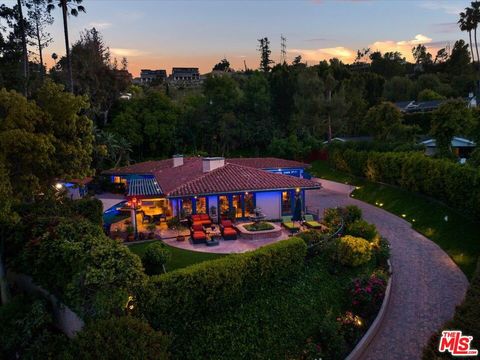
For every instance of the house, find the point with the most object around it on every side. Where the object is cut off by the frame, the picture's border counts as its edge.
(413, 106)
(148, 76)
(183, 186)
(185, 74)
(460, 146)
(344, 139)
(75, 188)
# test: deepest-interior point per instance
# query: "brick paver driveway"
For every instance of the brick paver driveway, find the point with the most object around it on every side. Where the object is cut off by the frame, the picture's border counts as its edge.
(427, 285)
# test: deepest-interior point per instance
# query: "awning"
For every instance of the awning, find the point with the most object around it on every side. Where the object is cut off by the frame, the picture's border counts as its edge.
(144, 187)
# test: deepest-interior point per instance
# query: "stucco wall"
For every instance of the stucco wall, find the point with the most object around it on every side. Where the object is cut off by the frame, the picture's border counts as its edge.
(270, 203)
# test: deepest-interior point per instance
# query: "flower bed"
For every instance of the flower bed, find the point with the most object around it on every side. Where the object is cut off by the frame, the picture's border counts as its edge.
(259, 226)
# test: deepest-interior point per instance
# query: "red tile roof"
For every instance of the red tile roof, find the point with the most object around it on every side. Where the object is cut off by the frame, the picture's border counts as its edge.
(267, 163)
(236, 178)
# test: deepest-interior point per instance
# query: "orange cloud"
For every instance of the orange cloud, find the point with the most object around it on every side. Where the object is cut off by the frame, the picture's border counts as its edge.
(339, 52)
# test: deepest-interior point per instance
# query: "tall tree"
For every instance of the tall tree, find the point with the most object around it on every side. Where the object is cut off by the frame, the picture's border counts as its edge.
(465, 24)
(40, 18)
(23, 33)
(265, 52)
(473, 14)
(68, 7)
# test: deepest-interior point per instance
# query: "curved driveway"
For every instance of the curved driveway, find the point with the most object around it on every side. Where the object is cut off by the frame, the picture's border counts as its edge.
(427, 285)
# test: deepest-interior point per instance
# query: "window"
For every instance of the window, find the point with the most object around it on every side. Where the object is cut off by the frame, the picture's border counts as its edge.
(201, 205)
(286, 202)
(237, 205)
(223, 205)
(186, 207)
(249, 205)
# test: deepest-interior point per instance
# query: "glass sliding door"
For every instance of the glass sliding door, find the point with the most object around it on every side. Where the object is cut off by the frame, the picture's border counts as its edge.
(223, 205)
(287, 202)
(187, 207)
(237, 205)
(201, 205)
(249, 204)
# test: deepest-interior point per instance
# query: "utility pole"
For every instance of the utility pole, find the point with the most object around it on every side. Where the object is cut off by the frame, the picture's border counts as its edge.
(283, 49)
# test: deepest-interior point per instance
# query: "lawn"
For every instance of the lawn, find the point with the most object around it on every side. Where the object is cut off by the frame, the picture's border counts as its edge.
(180, 258)
(458, 235)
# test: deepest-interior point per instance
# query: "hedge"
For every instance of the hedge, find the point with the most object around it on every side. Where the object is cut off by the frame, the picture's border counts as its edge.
(454, 184)
(179, 301)
(466, 319)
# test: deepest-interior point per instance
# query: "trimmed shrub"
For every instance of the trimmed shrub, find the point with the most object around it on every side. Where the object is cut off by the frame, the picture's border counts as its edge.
(367, 293)
(90, 209)
(352, 251)
(180, 301)
(120, 338)
(466, 319)
(381, 251)
(155, 258)
(362, 229)
(456, 185)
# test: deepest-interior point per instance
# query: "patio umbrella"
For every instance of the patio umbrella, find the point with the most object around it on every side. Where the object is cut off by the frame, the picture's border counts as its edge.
(297, 212)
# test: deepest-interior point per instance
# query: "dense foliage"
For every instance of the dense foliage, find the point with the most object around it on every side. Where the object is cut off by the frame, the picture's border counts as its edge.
(155, 258)
(352, 251)
(72, 258)
(120, 338)
(452, 183)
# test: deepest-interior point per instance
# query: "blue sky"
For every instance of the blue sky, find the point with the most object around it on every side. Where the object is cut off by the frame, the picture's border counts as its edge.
(162, 34)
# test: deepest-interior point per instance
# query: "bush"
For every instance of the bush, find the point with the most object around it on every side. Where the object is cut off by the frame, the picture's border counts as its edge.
(351, 213)
(362, 229)
(26, 330)
(120, 338)
(155, 258)
(456, 185)
(90, 209)
(367, 293)
(178, 301)
(332, 218)
(466, 319)
(381, 251)
(73, 259)
(260, 226)
(352, 251)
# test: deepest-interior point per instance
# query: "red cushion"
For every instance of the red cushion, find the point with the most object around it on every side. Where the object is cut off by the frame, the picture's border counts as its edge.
(206, 222)
(196, 217)
(199, 235)
(229, 231)
(197, 227)
(227, 223)
(204, 217)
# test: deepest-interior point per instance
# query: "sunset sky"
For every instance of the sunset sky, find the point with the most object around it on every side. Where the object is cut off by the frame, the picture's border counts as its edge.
(160, 34)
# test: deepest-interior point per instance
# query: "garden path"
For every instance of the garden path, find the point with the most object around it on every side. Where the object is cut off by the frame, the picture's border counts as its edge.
(427, 285)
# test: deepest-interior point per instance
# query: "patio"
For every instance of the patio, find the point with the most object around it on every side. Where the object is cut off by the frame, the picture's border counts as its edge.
(169, 236)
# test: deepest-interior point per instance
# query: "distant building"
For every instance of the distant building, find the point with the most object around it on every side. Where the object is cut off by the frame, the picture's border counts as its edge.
(185, 74)
(147, 76)
(344, 139)
(413, 106)
(461, 147)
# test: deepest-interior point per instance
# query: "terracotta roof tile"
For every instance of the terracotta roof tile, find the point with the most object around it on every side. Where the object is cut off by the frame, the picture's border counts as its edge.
(232, 178)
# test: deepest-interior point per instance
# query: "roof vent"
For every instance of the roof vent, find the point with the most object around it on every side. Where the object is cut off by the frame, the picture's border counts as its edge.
(177, 160)
(212, 163)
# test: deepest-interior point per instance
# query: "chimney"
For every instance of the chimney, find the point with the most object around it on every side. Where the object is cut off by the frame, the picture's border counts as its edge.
(212, 163)
(177, 160)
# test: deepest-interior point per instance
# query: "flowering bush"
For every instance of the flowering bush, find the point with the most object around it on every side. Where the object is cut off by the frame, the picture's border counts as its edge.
(367, 293)
(352, 251)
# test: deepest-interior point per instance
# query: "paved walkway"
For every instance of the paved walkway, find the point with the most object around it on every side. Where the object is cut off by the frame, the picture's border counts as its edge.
(427, 285)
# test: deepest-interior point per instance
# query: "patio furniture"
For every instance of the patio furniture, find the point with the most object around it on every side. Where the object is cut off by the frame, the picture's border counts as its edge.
(198, 235)
(311, 223)
(227, 230)
(289, 224)
(201, 218)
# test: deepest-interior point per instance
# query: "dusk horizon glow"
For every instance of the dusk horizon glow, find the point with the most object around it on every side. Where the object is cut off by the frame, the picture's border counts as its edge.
(165, 34)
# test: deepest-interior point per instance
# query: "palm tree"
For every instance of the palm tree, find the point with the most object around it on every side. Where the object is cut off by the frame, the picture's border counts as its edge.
(473, 15)
(465, 25)
(69, 7)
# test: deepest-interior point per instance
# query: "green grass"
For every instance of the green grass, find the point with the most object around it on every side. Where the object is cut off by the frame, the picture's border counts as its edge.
(180, 258)
(459, 236)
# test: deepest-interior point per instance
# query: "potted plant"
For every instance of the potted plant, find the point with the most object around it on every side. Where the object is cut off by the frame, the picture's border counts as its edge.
(151, 230)
(130, 233)
(117, 234)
